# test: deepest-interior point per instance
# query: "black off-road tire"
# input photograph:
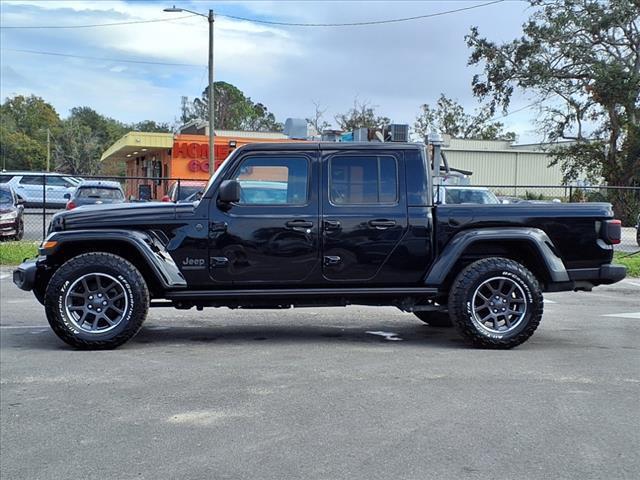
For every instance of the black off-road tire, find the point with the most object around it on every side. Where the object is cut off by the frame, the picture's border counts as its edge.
(129, 278)
(471, 278)
(435, 319)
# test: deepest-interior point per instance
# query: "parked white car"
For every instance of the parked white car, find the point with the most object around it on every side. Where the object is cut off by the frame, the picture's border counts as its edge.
(38, 189)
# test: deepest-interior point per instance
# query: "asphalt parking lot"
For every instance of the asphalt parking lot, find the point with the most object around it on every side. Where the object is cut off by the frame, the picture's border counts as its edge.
(357, 393)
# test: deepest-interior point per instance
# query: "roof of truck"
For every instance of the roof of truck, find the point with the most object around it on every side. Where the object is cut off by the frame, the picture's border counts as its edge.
(332, 146)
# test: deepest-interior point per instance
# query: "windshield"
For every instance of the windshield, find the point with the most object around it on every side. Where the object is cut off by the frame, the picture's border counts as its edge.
(5, 196)
(468, 195)
(100, 192)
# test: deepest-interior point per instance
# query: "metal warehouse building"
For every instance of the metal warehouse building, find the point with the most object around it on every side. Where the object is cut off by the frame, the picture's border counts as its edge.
(495, 162)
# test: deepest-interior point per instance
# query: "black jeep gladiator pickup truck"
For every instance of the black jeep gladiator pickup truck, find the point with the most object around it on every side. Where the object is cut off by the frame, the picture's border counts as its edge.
(319, 224)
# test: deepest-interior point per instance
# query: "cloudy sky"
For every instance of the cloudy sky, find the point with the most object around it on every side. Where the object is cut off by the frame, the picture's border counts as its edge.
(396, 67)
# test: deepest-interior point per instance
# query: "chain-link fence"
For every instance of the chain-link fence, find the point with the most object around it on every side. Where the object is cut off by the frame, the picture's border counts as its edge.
(39, 196)
(46, 194)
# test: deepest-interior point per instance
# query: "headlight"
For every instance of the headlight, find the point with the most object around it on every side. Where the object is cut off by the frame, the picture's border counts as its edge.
(9, 216)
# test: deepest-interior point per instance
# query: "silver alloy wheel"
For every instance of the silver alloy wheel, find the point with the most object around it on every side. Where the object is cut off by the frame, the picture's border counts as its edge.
(96, 303)
(499, 305)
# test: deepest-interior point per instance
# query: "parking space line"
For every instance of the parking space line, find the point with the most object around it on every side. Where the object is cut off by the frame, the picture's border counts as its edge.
(2, 277)
(624, 315)
(7, 327)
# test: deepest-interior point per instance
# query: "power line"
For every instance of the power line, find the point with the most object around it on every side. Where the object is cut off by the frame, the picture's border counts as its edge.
(270, 22)
(518, 110)
(86, 57)
(359, 24)
(534, 104)
(92, 25)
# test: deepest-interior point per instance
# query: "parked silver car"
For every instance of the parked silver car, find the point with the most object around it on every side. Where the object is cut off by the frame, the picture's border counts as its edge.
(38, 189)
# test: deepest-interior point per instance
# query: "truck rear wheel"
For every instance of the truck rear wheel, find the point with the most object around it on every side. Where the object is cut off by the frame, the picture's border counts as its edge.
(496, 303)
(435, 319)
(96, 301)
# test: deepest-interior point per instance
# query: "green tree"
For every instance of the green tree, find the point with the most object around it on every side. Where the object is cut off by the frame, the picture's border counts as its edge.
(30, 115)
(150, 126)
(77, 149)
(449, 117)
(233, 110)
(24, 122)
(582, 59)
(361, 115)
(105, 129)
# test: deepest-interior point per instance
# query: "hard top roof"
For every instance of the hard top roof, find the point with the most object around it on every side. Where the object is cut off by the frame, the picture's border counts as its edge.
(300, 146)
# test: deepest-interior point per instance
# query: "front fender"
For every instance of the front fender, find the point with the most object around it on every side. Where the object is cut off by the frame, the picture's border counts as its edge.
(152, 250)
(535, 237)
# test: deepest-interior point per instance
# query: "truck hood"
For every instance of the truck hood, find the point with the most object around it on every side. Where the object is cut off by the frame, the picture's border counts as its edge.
(130, 215)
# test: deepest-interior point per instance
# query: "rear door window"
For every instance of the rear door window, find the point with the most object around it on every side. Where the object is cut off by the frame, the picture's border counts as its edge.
(31, 180)
(363, 180)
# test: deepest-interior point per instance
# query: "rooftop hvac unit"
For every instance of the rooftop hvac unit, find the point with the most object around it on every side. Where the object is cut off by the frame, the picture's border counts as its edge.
(296, 128)
(397, 132)
(361, 135)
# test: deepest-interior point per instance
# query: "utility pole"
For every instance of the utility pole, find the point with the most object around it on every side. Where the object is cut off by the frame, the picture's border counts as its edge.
(211, 111)
(212, 151)
(48, 150)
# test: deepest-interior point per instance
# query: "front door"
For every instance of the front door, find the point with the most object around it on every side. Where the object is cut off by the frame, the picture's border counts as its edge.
(271, 235)
(364, 214)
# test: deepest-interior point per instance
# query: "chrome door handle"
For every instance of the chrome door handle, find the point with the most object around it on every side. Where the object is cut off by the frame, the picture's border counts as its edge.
(299, 224)
(382, 224)
(331, 224)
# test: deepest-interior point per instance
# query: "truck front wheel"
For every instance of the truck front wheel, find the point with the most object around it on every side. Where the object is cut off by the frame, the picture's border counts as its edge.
(496, 303)
(96, 301)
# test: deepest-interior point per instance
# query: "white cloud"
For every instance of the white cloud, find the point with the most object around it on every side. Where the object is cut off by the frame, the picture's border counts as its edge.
(396, 66)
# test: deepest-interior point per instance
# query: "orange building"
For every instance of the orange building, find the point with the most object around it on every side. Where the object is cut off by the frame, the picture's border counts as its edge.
(155, 160)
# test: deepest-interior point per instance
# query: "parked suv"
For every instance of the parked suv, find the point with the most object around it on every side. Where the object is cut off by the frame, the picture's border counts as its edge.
(41, 189)
(320, 224)
(11, 214)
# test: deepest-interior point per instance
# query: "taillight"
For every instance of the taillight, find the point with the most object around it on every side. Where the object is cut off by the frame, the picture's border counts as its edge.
(70, 205)
(612, 231)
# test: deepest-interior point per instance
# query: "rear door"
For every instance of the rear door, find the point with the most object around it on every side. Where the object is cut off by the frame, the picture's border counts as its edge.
(271, 235)
(364, 214)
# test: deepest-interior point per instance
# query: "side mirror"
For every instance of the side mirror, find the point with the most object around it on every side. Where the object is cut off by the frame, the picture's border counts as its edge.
(229, 191)
(19, 201)
(67, 196)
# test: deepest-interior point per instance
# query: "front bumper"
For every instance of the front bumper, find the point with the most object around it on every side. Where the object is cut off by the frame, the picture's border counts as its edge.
(8, 228)
(25, 275)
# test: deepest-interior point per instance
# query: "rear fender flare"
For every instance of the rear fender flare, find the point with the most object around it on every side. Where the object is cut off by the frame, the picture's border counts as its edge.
(535, 237)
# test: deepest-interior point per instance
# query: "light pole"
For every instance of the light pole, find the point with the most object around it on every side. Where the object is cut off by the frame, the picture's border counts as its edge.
(211, 19)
